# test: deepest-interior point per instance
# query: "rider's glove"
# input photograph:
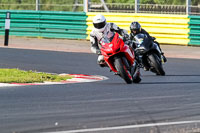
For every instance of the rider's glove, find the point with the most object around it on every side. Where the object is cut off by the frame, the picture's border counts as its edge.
(128, 42)
(153, 38)
(126, 37)
(133, 45)
(98, 51)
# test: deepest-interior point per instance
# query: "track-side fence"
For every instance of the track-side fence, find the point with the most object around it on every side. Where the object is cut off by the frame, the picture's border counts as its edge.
(168, 29)
(194, 34)
(49, 24)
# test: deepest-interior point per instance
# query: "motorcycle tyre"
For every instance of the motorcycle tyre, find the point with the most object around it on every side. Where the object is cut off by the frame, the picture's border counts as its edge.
(137, 78)
(123, 71)
(155, 63)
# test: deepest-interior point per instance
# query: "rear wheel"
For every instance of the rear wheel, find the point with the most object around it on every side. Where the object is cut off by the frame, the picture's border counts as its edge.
(156, 64)
(123, 70)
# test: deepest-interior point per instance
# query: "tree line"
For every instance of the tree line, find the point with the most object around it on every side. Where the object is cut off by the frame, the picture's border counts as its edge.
(67, 5)
(164, 2)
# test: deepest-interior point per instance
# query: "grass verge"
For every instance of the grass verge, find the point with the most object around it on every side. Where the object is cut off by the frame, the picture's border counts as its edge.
(20, 76)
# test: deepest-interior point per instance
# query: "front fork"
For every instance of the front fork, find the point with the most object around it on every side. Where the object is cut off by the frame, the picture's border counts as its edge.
(159, 50)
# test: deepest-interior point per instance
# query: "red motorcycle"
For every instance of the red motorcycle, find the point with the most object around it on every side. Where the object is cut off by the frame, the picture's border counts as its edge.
(120, 58)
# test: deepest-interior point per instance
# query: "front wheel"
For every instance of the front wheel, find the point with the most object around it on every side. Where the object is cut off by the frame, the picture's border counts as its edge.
(136, 73)
(155, 62)
(137, 76)
(123, 70)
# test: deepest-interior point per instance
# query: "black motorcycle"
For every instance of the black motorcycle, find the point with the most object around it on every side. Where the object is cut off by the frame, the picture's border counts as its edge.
(147, 54)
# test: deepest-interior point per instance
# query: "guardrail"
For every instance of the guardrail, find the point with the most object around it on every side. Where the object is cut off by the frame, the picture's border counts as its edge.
(144, 8)
(194, 33)
(168, 29)
(48, 24)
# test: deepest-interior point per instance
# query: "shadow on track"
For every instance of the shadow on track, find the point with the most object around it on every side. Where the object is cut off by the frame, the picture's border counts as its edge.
(175, 79)
(173, 76)
(184, 75)
(170, 82)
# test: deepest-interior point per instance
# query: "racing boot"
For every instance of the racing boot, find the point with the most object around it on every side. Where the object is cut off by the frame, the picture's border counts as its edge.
(102, 64)
(164, 59)
(146, 69)
(101, 61)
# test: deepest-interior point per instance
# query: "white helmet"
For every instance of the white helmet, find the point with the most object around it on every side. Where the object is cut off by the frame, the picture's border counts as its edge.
(99, 22)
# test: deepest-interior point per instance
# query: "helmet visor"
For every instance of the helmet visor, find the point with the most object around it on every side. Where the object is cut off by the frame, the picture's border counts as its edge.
(135, 31)
(99, 25)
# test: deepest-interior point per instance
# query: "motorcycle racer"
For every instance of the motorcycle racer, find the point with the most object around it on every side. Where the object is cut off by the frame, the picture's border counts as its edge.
(136, 28)
(102, 28)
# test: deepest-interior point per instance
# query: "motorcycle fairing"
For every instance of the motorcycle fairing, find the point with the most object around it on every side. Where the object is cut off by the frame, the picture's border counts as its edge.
(114, 48)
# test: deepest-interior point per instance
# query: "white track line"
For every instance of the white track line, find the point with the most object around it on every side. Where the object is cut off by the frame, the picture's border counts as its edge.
(127, 127)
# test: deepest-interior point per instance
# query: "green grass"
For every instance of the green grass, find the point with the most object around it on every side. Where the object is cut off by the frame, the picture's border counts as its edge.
(20, 76)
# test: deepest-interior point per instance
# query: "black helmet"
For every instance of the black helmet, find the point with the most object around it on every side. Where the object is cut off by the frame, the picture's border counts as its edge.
(135, 27)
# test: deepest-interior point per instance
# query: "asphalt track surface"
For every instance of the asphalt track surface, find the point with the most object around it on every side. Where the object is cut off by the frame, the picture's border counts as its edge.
(97, 105)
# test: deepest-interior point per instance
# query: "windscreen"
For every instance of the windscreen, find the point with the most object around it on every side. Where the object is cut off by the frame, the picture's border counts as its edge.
(106, 39)
(139, 38)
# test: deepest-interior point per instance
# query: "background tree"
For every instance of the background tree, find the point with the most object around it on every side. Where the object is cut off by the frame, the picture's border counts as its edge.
(195, 2)
(67, 5)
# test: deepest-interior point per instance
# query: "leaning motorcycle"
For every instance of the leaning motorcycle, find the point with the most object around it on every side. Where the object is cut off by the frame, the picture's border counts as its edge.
(120, 58)
(148, 55)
